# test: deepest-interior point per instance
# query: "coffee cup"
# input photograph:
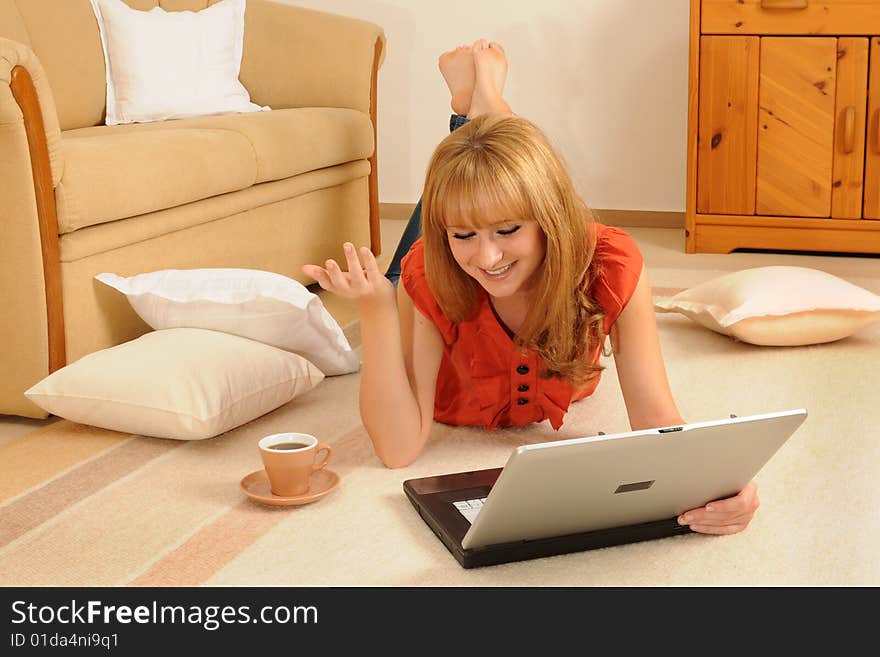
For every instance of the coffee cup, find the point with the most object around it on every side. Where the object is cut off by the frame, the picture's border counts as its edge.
(289, 459)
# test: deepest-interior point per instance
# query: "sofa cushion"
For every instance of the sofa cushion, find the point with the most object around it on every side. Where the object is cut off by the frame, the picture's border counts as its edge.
(153, 225)
(115, 172)
(114, 175)
(293, 141)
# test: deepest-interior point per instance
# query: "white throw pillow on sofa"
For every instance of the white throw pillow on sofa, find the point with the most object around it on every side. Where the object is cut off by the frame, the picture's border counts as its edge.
(252, 303)
(186, 384)
(777, 306)
(167, 65)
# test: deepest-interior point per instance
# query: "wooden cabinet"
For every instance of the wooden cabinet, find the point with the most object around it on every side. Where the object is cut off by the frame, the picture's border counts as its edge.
(784, 126)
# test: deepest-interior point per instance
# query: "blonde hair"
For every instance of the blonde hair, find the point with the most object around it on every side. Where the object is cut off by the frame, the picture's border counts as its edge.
(505, 166)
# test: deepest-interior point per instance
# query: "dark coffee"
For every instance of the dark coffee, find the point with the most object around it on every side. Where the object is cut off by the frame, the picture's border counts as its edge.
(289, 446)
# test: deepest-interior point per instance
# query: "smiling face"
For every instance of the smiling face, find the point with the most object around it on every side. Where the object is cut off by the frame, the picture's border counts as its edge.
(500, 211)
(505, 256)
(501, 214)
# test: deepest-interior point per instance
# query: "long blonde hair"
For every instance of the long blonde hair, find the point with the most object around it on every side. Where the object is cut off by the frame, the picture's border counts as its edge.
(505, 166)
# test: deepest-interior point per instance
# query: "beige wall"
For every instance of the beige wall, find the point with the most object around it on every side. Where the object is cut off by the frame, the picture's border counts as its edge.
(606, 79)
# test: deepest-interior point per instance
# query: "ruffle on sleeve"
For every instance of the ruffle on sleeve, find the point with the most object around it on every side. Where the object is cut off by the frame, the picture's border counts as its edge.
(416, 285)
(620, 267)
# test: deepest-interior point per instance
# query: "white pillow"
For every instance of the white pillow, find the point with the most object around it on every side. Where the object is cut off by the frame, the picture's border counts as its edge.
(255, 304)
(779, 306)
(168, 65)
(187, 384)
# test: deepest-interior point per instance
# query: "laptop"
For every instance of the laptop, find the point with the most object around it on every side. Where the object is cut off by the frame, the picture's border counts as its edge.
(593, 492)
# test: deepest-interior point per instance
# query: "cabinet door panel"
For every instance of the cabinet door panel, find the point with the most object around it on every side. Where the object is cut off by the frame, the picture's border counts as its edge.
(728, 121)
(849, 133)
(796, 126)
(872, 148)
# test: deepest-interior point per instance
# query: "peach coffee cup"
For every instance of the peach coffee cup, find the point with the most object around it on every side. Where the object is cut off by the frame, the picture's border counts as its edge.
(289, 459)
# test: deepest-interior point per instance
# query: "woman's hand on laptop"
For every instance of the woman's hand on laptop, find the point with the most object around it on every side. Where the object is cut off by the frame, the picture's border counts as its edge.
(727, 516)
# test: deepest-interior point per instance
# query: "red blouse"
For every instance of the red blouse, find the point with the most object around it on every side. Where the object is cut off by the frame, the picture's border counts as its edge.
(484, 378)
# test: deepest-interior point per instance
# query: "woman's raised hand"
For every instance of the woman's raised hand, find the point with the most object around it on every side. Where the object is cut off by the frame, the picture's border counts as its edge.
(365, 284)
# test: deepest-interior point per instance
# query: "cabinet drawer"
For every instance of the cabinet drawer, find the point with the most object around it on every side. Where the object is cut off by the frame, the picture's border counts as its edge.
(790, 17)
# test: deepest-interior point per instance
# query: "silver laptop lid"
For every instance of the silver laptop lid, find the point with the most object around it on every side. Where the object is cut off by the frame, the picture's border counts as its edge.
(570, 486)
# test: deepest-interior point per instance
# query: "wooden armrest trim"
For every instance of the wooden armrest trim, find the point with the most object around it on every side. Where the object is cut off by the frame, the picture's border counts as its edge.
(373, 181)
(25, 95)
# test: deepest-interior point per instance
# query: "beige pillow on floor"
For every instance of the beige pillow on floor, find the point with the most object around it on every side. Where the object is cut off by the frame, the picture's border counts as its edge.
(777, 306)
(182, 383)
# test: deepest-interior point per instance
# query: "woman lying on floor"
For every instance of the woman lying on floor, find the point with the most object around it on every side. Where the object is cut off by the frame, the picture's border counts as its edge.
(508, 295)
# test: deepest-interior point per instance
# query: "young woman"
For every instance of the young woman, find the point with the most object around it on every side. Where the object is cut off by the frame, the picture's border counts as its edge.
(506, 300)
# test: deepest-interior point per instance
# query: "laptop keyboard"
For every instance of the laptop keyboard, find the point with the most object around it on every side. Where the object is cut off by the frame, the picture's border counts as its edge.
(470, 508)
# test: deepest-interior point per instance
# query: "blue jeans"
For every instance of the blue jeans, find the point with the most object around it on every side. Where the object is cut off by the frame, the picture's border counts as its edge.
(414, 225)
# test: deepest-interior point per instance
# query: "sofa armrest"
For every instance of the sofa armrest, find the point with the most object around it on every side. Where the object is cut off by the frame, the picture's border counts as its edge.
(297, 57)
(14, 54)
(32, 330)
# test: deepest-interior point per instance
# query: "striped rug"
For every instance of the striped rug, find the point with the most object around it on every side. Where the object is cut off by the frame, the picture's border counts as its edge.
(83, 506)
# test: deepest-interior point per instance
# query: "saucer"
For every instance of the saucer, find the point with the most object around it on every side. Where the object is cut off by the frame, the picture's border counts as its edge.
(256, 486)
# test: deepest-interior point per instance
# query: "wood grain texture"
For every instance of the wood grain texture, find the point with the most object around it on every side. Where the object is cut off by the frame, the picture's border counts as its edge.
(818, 17)
(801, 155)
(693, 118)
(373, 181)
(723, 234)
(796, 126)
(728, 119)
(872, 150)
(849, 137)
(25, 95)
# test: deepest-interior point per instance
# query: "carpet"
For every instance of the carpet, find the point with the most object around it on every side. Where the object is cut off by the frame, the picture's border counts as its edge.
(82, 506)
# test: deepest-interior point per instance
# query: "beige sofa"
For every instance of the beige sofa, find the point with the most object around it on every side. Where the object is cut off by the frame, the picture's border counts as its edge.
(266, 190)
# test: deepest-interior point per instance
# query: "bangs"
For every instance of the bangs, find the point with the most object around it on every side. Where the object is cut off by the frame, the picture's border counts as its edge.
(478, 195)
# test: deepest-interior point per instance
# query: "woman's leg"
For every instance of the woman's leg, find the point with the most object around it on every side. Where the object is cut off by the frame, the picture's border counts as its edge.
(459, 72)
(490, 72)
(410, 235)
(414, 226)
(475, 75)
(457, 67)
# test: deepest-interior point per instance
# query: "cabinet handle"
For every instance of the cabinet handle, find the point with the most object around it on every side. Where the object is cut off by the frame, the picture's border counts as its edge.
(849, 129)
(784, 4)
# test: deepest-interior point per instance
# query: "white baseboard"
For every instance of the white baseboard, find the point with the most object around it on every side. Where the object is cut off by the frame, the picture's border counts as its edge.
(637, 218)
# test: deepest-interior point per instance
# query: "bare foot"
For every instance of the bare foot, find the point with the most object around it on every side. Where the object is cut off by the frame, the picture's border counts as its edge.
(457, 67)
(490, 68)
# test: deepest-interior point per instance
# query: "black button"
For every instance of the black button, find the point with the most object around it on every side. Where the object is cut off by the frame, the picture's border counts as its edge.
(522, 369)
(522, 400)
(522, 387)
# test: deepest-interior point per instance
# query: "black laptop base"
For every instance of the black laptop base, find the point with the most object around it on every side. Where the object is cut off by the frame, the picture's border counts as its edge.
(499, 553)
